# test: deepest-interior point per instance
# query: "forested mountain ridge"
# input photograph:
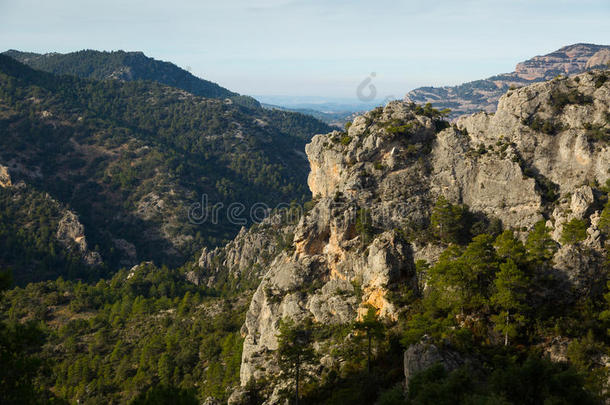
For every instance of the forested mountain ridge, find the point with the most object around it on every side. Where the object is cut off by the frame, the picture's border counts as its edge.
(130, 158)
(120, 65)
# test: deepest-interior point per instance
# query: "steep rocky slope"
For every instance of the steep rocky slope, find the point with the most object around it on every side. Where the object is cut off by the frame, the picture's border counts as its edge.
(484, 94)
(241, 263)
(375, 185)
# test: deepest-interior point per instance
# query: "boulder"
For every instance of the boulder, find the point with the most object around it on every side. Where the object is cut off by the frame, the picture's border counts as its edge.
(423, 355)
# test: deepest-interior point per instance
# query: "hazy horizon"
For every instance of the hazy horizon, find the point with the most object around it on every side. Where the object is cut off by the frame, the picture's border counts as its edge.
(294, 48)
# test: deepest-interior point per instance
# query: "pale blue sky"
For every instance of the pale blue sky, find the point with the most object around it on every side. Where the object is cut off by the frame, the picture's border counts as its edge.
(315, 47)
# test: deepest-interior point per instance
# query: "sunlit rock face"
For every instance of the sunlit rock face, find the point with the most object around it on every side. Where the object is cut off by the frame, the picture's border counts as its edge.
(385, 173)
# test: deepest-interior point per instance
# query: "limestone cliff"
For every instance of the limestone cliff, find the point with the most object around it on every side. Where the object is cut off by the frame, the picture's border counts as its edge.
(377, 182)
(566, 61)
(245, 259)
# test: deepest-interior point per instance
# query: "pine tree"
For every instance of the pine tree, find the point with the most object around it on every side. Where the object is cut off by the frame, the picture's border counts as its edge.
(447, 221)
(507, 246)
(463, 277)
(371, 326)
(510, 298)
(540, 246)
(164, 369)
(574, 231)
(294, 349)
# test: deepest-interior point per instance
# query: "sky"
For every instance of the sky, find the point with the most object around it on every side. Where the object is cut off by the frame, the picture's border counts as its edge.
(315, 48)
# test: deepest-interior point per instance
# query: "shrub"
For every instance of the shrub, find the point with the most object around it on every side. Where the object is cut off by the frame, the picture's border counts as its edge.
(539, 244)
(540, 381)
(163, 395)
(574, 231)
(560, 99)
(600, 80)
(396, 128)
(392, 396)
(597, 133)
(545, 126)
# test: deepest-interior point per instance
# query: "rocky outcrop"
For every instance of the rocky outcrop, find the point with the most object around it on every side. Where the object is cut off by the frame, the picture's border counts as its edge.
(71, 233)
(601, 59)
(329, 286)
(565, 154)
(483, 95)
(5, 177)
(492, 183)
(245, 259)
(421, 356)
(379, 180)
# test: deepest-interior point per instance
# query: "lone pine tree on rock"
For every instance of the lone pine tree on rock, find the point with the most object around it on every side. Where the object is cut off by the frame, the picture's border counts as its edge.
(294, 349)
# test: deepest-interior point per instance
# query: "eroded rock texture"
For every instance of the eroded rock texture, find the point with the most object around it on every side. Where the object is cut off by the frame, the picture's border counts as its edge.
(541, 156)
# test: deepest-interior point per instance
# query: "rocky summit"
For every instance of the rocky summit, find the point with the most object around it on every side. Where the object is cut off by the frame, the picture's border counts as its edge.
(540, 158)
(483, 95)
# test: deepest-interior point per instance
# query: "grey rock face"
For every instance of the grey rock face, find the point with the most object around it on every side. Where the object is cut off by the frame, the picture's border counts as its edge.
(421, 356)
(247, 256)
(237, 397)
(385, 173)
(580, 267)
(318, 286)
(581, 200)
(490, 183)
(317, 281)
(567, 157)
(71, 232)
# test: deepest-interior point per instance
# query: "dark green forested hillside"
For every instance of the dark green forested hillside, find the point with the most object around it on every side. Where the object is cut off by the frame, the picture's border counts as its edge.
(131, 157)
(143, 335)
(120, 65)
(29, 220)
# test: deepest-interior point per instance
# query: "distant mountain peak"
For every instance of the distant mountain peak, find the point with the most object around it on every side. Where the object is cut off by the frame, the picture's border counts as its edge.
(484, 94)
(568, 60)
